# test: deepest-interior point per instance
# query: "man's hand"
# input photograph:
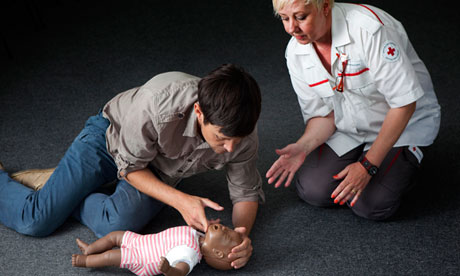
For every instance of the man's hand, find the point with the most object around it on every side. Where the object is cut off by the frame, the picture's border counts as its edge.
(241, 253)
(192, 210)
(291, 158)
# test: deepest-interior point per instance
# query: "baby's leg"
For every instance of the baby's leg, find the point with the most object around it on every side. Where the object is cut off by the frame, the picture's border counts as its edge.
(105, 243)
(108, 258)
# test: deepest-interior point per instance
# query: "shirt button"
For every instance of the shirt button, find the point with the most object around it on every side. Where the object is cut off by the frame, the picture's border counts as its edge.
(180, 115)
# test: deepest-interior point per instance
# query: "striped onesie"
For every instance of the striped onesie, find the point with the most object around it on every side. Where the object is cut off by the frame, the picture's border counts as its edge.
(141, 253)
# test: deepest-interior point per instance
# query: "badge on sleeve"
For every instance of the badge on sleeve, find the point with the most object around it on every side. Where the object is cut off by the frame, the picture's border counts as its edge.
(417, 152)
(390, 51)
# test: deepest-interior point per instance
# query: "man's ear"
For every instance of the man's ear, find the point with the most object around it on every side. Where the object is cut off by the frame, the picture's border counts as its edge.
(219, 254)
(198, 112)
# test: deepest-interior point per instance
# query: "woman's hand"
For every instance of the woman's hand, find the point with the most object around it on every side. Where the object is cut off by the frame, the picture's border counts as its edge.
(192, 210)
(290, 160)
(241, 253)
(355, 179)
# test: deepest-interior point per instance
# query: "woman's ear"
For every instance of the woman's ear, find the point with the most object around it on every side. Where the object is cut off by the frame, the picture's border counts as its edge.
(326, 7)
(219, 254)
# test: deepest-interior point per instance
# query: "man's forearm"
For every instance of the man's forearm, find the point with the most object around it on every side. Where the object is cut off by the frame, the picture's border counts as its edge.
(244, 214)
(146, 182)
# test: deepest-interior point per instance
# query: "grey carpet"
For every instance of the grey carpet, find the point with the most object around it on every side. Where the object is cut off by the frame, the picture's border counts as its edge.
(60, 61)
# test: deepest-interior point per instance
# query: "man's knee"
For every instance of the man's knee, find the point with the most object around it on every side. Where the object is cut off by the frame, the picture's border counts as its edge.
(115, 224)
(39, 228)
(121, 221)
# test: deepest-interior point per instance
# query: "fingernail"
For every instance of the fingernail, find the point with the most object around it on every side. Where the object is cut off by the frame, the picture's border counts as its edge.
(342, 202)
(335, 176)
(352, 204)
(332, 196)
(336, 201)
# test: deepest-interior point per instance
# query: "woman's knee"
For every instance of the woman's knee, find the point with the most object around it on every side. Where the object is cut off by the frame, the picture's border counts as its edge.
(314, 193)
(375, 210)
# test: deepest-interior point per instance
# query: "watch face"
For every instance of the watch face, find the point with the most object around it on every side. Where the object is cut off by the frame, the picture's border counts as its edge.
(366, 164)
(373, 170)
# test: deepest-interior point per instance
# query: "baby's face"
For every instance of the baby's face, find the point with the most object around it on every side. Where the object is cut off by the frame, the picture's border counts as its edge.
(218, 243)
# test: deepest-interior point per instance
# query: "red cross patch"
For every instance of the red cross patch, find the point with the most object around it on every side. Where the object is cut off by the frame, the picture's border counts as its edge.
(390, 51)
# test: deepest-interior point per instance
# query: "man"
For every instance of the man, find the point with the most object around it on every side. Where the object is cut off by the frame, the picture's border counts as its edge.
(150, 137)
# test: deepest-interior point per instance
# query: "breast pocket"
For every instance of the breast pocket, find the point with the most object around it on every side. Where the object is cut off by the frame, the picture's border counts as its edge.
(359, 86)
(325, 92)
(214, 165)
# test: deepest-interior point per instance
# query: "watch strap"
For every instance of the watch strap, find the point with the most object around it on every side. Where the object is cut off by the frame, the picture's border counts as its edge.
(371, 168)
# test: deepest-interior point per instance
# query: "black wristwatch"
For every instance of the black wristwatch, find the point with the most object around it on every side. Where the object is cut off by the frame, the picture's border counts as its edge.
(371, 168)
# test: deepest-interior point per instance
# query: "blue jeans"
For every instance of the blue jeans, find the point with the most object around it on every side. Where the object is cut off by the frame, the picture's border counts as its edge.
(72, 190)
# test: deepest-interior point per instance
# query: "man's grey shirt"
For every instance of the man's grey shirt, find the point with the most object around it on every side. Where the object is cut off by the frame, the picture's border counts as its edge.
(155, 126)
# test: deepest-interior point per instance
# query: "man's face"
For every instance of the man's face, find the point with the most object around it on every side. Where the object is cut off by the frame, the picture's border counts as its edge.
(211, 133)
(218, 243)
(216, 140)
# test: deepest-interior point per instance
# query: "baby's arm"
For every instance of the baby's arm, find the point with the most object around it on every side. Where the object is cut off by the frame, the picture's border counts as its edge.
(180, 260)
(181, 268)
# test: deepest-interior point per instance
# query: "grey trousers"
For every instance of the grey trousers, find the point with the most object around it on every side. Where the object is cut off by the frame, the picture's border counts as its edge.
(381, 197)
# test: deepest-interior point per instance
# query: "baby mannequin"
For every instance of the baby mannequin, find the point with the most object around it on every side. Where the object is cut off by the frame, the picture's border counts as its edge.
(173, 252)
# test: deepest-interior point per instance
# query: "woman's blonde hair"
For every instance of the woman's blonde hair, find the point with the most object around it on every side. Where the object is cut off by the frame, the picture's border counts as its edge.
(279, 4)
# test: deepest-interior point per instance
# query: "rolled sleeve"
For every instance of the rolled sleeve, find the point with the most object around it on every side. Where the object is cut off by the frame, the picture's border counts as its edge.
(136, 143)
(396, 79)
(244, 180)
(311, 105)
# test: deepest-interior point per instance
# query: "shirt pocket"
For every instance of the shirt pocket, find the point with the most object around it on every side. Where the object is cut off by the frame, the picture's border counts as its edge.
(214, 164)
(171, 117)
(325, 92)
(359, 85)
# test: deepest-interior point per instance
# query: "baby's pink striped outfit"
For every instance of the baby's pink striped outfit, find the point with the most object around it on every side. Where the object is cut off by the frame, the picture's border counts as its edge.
(141, 253)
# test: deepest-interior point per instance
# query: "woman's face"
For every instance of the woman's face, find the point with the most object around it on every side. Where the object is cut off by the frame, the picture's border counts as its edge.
(306, 22)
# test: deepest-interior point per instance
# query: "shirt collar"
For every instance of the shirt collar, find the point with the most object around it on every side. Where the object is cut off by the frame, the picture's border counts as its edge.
(192, 130)
(340, 35)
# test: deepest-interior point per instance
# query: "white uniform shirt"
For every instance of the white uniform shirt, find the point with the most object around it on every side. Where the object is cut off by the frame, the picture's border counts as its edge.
(383, 71)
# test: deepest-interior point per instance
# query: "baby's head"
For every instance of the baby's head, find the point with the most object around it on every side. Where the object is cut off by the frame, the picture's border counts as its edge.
(217, 244)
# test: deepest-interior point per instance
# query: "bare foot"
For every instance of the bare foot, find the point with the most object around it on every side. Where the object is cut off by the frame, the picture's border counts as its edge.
(164, 266)
(83, 246)
(78, 260)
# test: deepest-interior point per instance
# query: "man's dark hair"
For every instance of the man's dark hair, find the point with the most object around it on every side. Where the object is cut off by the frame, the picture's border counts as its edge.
(230, 98)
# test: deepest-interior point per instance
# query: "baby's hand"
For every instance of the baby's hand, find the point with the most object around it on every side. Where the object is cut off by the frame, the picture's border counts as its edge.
(181, 268)
(164, 266)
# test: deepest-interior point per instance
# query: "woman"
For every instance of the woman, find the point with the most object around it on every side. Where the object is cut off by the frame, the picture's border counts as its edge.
(367, 101)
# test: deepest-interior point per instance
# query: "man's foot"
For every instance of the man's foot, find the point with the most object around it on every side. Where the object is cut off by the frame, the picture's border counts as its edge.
(83, 246)
(34, 179)
(78, 260)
